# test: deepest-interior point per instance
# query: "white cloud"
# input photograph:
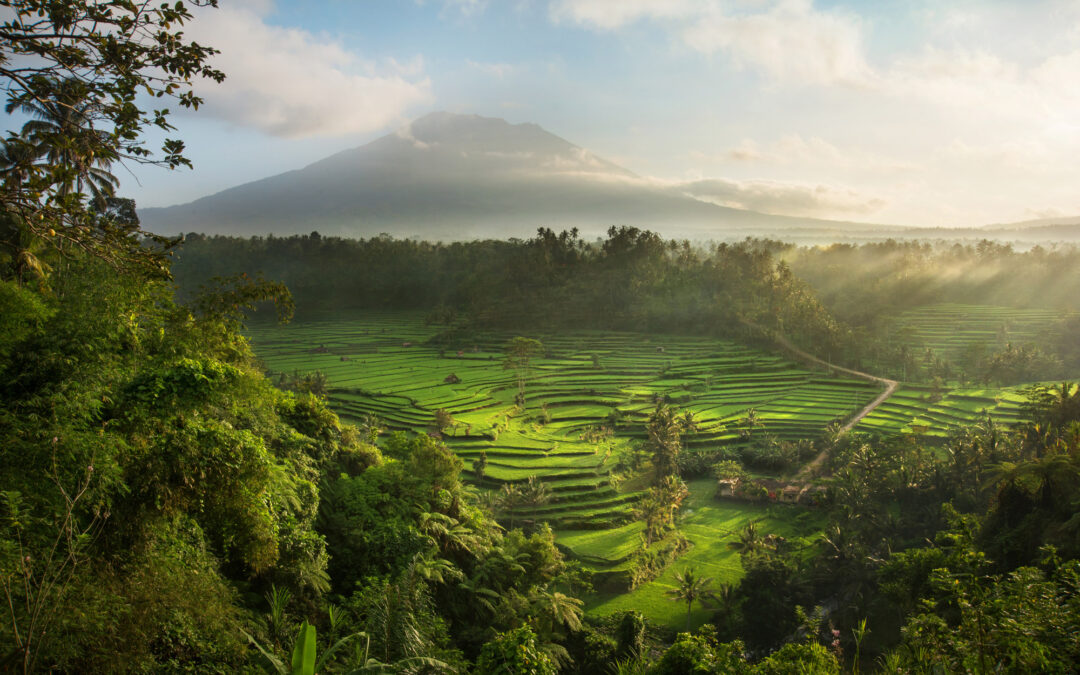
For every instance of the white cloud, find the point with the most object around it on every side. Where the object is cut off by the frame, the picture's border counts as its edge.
(791, 43)
(612, 14)
(291, 83)
(789, 199)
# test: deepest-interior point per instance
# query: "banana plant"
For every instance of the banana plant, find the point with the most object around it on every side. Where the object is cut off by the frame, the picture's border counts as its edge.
(304, 656)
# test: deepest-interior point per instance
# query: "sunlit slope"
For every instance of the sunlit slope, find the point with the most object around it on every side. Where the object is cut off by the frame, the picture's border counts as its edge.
(948, 329)
(710, 525)
(380, 364)
(922, 410)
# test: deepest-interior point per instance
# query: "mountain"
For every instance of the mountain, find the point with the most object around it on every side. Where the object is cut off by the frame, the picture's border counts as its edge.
(448, 176)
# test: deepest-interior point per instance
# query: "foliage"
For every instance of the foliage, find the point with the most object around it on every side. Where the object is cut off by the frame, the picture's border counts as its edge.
(171, 433)
(658, 508)
(79, 68)
(514, 651)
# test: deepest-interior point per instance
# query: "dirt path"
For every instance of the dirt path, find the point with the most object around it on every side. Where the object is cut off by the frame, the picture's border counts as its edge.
(890, 389)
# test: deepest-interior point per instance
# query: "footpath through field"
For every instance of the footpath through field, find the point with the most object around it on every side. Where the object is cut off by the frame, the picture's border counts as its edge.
(890, 389)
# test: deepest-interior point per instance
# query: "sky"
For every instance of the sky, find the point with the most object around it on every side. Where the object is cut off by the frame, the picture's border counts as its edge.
(935, 112)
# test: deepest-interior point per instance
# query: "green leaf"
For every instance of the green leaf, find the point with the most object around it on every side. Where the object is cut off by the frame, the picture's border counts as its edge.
(273, 660)
(303, 656)
(337, 645)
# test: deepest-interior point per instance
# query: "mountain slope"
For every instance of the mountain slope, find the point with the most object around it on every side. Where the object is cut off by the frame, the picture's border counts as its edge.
(447, 176)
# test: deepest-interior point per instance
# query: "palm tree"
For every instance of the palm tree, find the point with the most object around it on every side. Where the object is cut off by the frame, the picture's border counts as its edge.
(727, 604)
(559, 609)
(61, 132)
(449, 534)
(534, 493)
(750, 540)
(752, 421)
(510, 498)
(432, 570)
(664, 441)
(691, 587)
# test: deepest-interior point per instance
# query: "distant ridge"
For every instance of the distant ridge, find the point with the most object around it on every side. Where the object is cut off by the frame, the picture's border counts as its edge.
(451, 177)
(1043, 223)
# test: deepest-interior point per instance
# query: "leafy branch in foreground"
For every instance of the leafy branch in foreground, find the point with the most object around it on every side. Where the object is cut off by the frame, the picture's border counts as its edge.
(78, 69)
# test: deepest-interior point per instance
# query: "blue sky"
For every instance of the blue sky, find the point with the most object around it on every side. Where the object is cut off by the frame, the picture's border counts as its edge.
(935, 113)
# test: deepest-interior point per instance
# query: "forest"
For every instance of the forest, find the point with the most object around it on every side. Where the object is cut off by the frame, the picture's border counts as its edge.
(191, 483)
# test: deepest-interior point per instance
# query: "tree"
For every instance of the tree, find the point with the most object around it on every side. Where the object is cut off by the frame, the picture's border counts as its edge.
(690, 588)
(509, 500)
(534, 493)
(81, 69)
(753, 420)
(520, 352)
(479, 467)
(50, 132)
(443, 420)
(664, 441)
(658, 507)
(750, 540)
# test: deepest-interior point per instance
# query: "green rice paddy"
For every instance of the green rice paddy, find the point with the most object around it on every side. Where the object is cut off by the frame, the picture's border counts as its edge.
(381, 363)
(948, 328)
(709, 525)
(921, 410)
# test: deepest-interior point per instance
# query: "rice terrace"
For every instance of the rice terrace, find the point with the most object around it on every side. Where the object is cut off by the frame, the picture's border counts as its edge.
(586, 405)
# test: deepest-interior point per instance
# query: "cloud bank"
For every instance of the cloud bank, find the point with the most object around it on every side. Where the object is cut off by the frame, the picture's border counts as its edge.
(787, 199)
(291, 83)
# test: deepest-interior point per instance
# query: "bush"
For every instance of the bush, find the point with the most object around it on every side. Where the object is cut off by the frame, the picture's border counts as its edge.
(514, 652)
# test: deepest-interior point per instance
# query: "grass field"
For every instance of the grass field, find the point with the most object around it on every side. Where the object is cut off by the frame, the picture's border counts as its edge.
(380, 364)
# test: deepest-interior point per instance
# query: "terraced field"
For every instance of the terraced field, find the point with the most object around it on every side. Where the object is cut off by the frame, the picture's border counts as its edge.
(709, 525)
(384, 364)
(381, 364)
(917, 409)
(948, 328)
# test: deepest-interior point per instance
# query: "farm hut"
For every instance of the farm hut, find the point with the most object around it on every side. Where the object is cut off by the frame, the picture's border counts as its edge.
(726, 487)
(790, 494)
(452, 379)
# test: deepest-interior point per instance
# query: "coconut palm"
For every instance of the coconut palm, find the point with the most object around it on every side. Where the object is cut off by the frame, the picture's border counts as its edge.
(664, 441)
(535, 493)
(691, 588)
(510, 499)
(751, 540)
(61, 133)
